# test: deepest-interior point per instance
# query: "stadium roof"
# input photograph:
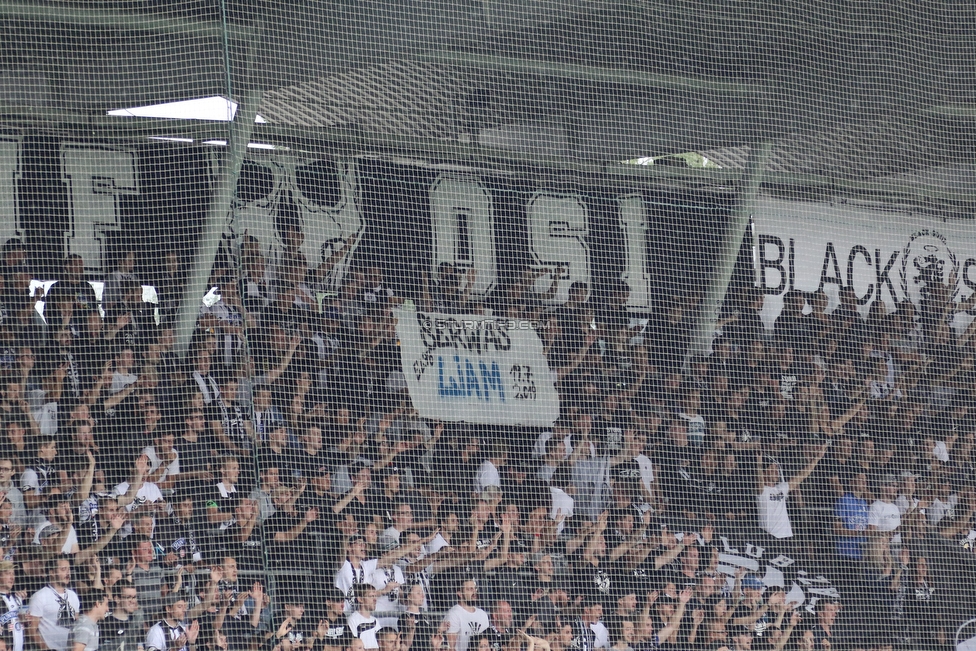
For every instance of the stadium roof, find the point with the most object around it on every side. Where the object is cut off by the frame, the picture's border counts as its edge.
(848, 91)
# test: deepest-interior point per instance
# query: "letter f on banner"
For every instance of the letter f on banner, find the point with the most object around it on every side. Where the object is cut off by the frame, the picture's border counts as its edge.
(96, 177)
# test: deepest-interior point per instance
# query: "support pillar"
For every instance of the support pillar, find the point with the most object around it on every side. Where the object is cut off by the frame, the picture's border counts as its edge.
(239, 135)
(727, 255)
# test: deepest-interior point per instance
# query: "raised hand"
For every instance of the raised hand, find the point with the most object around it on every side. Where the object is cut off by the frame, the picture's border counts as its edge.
(257, 593)
(193, 632)
(118, 521)
(322, 629)
(286, 627)
(437, 639)
(142, 465)
(823, 450)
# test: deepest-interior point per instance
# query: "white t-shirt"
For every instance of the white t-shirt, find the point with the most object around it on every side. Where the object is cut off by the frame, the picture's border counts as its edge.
(57, 614)
(389, 602)
(939, 509)
(161, 634)
(562, 504)
(347, 577)
(364, 628)
(773, 516)
(149, 492)
(70, 542)
(11, 620)
(884, 516)
(601, 635)
(155, 462)
(487, 476)
(465, 624)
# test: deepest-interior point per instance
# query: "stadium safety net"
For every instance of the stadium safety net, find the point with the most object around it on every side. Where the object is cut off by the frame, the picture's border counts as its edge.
(487, 326)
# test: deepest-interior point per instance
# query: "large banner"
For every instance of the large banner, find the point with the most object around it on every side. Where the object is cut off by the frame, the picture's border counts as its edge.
(405, 219)
(882, 255)
(476, 369)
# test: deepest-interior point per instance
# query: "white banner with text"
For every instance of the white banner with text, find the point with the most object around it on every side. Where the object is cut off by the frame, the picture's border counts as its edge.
(477, 369)
(881, 255)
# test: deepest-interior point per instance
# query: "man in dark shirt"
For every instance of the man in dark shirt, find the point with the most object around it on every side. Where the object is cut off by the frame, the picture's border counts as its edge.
(123, 628)
(824, 633)
(583, 637)
(146, 575)
(310, 454)
(295, 629)
(178, 532)
(500, 629)
(195, 452)
(332, 628)
(68, 302)
(288, 542)
(222, 501)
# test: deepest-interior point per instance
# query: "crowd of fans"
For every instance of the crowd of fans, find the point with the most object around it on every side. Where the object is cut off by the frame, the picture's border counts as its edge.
(276, 490)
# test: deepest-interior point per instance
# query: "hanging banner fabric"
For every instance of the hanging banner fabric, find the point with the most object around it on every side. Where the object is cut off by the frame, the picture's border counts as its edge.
(478, 369)
(881, 255)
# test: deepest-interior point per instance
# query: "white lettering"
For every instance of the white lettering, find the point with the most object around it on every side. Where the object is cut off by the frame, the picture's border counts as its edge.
(633, 222)
(96, 178)
(9, 173)
(463, 224)
(558, 227)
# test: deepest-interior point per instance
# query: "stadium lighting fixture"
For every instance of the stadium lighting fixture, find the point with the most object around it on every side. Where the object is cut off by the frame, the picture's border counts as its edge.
(217, 109)
(251, 145)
